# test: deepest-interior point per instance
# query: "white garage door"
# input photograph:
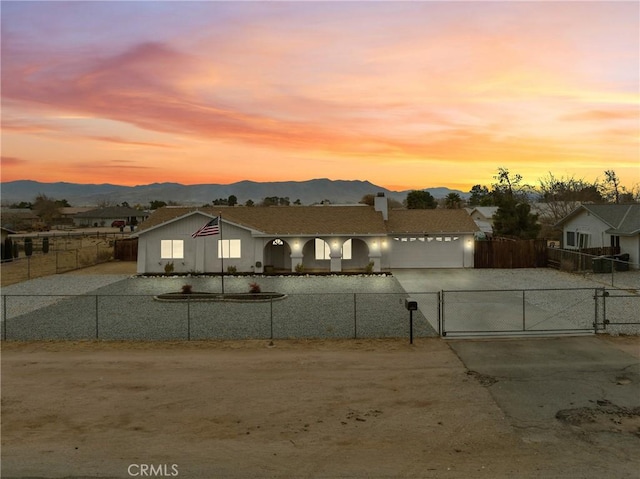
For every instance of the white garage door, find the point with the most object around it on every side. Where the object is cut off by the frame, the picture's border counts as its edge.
(423, 252)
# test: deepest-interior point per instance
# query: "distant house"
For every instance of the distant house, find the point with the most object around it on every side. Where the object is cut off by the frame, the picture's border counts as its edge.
(106, 216)
(4, 233)
(67, 213)
(318, 238)
(596, 226)
(20, 219)
(483, 217)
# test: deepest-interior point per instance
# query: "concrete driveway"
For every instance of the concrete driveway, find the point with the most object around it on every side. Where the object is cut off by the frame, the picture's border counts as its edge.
(492, 302)
(581, 393)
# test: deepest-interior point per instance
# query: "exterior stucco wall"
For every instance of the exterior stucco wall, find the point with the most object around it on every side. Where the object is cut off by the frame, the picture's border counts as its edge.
(200, 254)
(631, 246)
(586, 223)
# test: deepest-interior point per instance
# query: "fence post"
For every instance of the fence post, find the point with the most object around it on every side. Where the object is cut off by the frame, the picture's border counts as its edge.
(4, 318)
(524, 327)
(355, 317)
(188, 319)
(271, 318)
(97, 330)
(442, 303)
(439, 315)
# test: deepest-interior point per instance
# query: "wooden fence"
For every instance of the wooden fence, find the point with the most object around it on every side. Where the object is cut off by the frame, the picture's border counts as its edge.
(511, 254)
(126, 249)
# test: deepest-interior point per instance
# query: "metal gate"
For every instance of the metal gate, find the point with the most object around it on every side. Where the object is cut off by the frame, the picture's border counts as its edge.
(520, 312)
(620, 311)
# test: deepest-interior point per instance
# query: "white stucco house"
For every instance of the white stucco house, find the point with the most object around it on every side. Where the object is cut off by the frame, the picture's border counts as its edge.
(483, 217)
(320, 238)
(597, 226)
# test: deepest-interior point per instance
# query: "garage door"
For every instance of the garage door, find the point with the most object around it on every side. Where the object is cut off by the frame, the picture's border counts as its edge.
(427, 252)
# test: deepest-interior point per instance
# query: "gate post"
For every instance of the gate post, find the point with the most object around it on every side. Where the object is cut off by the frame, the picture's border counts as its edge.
(444, 333)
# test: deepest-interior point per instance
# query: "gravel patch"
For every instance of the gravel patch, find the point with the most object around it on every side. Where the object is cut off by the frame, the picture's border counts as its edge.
(118, 307)
(125, 308)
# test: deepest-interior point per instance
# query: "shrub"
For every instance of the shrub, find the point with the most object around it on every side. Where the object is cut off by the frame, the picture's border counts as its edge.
(186, 289)
(232, 269)
(168, 268)
(369, 267)
(254, 288)
(299, 268)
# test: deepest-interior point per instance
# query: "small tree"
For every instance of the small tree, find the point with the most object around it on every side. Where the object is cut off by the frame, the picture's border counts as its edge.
(420, 200)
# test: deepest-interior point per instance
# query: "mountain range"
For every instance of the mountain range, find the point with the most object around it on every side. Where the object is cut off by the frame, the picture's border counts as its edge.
(308, 192)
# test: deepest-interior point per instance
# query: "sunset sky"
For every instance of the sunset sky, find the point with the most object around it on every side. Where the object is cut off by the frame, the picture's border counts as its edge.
(403, 94)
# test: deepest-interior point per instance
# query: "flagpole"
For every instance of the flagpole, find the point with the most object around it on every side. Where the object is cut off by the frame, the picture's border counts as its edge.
(221, 249)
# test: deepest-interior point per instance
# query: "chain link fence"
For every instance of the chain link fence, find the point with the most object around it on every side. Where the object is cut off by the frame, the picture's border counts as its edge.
(34, 256)
(142, 317)
(531, 311)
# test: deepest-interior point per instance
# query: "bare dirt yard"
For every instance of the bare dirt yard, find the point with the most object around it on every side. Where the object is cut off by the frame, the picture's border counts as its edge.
(370, 408)
(295, 408)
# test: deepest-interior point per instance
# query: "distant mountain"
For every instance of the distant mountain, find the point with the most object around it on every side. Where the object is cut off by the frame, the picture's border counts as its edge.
(308, 192)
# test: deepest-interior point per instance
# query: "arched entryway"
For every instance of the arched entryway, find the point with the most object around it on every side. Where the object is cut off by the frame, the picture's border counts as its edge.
(355, 255)
(277, 253)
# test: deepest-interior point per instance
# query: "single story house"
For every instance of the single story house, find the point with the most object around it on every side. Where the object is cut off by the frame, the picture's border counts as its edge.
(483, 217)
(597, 226)
(318, 238)
(105, 216)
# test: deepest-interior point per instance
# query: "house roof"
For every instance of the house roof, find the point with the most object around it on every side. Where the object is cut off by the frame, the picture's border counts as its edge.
(430, 221)
(486, 211)
(326, 220)
(623, 220)
(111, 212)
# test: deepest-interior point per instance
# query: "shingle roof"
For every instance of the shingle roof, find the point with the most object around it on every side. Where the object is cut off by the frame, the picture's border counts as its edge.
(430, 221)
(111, 212)
(327, 220)
(623, 220)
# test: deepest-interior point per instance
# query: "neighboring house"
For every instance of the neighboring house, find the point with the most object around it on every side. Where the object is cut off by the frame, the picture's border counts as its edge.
(483, 217)
(20, 219)
(105, 216)
(320, 238)
(596, 226)
(4, 233)
(66, 214)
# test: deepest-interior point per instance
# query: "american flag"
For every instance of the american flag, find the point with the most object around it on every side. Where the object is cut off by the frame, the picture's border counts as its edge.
(211, 228)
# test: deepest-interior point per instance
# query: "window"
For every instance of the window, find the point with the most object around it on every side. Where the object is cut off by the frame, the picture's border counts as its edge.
(229, 248)
(583, 240)
(346, 249)
(571, 238)
(322, 249)
(171, 249)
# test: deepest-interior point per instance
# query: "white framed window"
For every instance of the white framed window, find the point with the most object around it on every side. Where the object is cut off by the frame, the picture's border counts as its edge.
(584, 240)
(322, 249)
(171, 249)
(346, 249)
(229, 248)
(571, 238)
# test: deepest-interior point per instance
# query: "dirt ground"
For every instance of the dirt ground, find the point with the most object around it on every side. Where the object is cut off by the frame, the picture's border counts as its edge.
(283, 409)
(375, 408)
